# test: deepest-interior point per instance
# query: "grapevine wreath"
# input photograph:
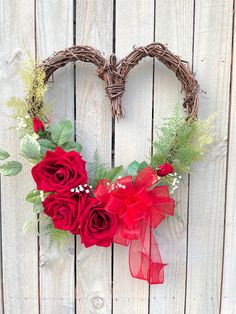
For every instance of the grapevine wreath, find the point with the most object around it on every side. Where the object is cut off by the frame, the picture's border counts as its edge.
(103, 205)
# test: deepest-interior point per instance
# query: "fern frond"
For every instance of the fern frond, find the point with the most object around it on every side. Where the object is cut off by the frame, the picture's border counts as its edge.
(181, 143)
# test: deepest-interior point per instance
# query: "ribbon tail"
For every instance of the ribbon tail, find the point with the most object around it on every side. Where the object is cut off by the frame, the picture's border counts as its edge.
(145, 259)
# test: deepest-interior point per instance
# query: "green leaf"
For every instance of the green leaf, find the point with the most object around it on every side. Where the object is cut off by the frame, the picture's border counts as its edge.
(37, 208)
(29, 147)
(45, 145)
(3, 154)
(101, 173)
(61, 132)
(43, 142)
(114, 173)
(27, 225)
(68, 146)
(143, 165)
(34, 197)
(40, 133)
(10, 168)
(133, 168)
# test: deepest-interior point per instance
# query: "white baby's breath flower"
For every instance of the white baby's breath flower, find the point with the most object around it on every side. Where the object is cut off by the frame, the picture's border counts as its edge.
(42, 196)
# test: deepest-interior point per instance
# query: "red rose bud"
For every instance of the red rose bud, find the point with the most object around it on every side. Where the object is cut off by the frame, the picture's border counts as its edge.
(164, 170)
(38, 125)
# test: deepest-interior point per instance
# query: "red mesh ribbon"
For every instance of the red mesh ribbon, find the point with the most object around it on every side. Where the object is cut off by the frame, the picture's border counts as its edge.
(140, 206)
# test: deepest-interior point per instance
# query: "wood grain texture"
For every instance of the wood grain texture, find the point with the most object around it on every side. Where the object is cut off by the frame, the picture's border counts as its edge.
(20, 263)
(172, 17)
(93, 128)
(228, 295)
(57, 269)
(194, 252)
(1, 282)
(212, 56)
(1, 275)
(134, 26)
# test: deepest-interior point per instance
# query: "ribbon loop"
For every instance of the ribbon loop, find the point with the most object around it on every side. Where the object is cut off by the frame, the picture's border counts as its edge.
(145, 259)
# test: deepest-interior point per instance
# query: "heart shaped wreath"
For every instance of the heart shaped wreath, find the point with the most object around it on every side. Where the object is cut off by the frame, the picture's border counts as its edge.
(102, 205)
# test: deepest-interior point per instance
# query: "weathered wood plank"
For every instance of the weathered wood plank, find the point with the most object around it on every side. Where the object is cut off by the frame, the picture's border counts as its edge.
(172, 17)
(20, 262)
(134, 26)
(1, 277)
(93, 126)
(212, 56)
(57, 270)
(228, 295)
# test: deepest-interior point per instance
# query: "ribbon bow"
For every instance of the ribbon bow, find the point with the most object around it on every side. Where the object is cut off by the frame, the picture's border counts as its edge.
(140, 206)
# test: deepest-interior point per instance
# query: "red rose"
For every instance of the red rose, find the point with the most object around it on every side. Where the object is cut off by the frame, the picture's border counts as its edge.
(64, 210)
(38, 125)
(60, 171)
(97, 226)
(164, 169)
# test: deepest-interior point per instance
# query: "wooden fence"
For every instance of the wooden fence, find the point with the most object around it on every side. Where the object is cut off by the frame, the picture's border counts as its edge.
(201, 252)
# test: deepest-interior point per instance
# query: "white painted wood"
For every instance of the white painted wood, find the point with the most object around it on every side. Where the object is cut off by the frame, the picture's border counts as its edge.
(93, 126)
(51, 39)
(173, 19)
(228, 296)
(20, 270)
(134, 26)
(212, 56)
(55, 32)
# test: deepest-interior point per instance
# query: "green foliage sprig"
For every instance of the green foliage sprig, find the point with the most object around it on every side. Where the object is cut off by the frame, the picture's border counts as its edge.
(35, 88)
(98, 171)
(181, 143)
(55, 236)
